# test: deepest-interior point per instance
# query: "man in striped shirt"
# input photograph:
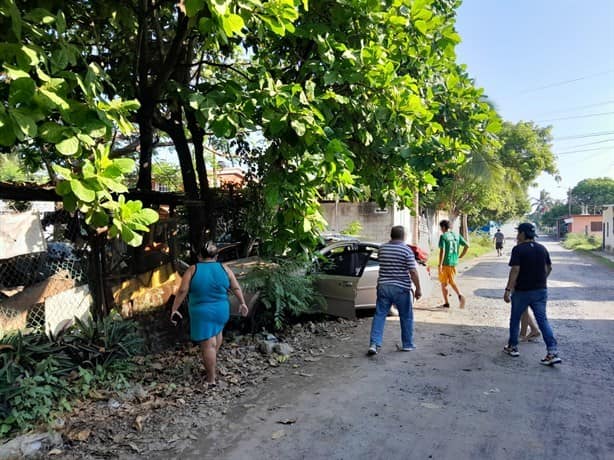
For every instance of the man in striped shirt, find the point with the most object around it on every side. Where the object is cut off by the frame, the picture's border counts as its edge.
(397, 270)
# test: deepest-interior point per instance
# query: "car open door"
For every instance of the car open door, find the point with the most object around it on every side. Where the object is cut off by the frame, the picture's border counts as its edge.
(338, 277)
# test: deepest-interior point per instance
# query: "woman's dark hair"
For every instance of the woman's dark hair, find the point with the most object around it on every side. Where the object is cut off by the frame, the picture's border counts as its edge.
(208, 250)
(445, 224)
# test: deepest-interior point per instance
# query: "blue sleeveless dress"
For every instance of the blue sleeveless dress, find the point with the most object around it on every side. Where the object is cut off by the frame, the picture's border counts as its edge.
(208, 303)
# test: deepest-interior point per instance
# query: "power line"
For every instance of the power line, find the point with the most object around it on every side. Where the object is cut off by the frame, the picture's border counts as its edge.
(590, 115)
(593, 143)
(578, 107)
(582, 136)
(565, 82)
(571, 152)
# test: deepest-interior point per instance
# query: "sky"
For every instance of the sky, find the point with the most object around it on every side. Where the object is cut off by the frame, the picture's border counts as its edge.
(552, 62)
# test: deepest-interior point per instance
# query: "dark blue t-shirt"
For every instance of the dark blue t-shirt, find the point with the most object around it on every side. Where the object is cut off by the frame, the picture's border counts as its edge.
(532, 258)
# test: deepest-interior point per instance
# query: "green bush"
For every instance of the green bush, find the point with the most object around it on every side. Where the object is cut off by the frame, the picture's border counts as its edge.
(286, 291)
(39, 375)
(581, 241)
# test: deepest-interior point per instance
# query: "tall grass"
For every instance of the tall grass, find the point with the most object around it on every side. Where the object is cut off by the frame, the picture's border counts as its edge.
(583, 242)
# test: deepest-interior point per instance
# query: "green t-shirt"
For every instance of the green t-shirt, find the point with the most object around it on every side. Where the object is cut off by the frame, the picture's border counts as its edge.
(450, 242)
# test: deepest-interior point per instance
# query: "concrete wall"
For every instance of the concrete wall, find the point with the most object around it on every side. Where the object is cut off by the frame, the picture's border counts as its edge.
(608, 228)
(376, 223)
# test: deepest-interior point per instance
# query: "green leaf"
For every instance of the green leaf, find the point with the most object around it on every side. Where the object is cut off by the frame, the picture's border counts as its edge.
(125, 165)
(97, 219)
(70, 202)
(15, 20)
(131, 238)
(60, 22)
(52, 132)
(83, 193)
(31, 54)
(68, 146)
(21, 91)
(7, 136)
(298, 127)
(148, 216)
(54, 99)
(112, 185)
(24, 122)
(63, 188)
(233, 24)
(15, 73)
(193, 7)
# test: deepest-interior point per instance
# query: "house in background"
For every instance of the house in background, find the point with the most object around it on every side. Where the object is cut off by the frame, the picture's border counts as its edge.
(608, 227)
(581, 224)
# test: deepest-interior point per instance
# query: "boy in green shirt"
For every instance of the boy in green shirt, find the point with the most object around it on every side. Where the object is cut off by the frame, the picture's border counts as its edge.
(449, 243)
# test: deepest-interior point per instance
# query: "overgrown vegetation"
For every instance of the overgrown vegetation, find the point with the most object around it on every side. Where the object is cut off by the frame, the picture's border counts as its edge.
(286, 292)
(41, 375)
(582, 242)
(354, 228)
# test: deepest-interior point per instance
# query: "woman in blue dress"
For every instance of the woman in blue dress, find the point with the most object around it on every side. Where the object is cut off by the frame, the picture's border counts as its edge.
(207, 284)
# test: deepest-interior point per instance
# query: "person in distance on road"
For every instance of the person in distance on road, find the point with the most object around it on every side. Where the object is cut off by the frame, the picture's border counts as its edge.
(498, 239)
(527, 287)
(397, 271)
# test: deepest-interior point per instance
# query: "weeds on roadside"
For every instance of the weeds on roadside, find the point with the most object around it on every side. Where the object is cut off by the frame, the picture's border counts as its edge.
(584, 242)
(41, 375)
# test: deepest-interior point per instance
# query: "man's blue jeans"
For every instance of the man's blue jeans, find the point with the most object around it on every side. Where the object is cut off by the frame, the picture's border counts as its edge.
(536, 299)
(387, 295)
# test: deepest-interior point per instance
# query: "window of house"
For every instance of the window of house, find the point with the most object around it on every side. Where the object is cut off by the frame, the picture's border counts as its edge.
(596, 226)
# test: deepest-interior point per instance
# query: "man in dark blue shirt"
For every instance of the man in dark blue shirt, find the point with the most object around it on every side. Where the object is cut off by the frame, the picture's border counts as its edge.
(397, 270)
(526, 287)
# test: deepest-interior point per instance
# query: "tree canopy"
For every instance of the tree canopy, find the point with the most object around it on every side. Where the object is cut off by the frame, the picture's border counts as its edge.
(352, 99)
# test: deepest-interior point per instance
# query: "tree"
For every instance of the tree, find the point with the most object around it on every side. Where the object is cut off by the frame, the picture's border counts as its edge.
(493, 184)
(542, 203)
(594, 193)
(526, 149)
(167, 175)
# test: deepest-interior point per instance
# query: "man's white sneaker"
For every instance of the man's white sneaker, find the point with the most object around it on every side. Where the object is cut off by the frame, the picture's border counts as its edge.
(372, 350)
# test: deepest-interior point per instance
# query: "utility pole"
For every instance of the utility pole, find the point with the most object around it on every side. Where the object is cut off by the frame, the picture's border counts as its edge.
(569, 200)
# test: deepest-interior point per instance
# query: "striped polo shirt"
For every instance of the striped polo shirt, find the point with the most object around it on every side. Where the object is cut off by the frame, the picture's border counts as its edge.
(395, 261)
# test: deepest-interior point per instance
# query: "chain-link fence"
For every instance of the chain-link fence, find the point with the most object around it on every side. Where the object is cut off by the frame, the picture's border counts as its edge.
(52, 270)
(43, 271)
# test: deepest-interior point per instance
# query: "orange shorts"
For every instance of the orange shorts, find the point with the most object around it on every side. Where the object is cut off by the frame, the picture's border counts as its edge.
(447, 274)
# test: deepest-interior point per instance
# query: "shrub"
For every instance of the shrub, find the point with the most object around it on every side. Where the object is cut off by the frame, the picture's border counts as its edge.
(582, 242)
(39, 375)
(285, 290)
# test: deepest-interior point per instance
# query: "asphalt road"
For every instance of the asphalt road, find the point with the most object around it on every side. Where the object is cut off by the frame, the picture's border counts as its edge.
(457, 396)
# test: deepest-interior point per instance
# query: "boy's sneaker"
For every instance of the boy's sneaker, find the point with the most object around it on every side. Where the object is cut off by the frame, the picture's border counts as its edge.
(551, 359)
(512, 351)
(372, 350)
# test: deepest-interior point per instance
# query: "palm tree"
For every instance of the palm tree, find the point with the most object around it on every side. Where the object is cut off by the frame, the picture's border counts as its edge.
(543, 203)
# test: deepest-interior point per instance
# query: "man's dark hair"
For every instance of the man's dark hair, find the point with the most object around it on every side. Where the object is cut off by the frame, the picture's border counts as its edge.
(445, 224)
(397, 232)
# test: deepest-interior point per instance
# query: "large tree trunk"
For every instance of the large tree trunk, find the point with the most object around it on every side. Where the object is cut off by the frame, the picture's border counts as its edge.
(146, 135)
(195, 207)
